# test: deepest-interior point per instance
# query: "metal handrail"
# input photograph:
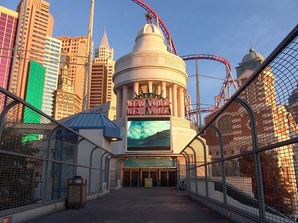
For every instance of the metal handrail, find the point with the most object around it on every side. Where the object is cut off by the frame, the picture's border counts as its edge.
(242, 193)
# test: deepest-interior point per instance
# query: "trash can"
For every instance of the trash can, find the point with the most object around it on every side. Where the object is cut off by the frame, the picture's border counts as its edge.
(77, 192)
(148, 182)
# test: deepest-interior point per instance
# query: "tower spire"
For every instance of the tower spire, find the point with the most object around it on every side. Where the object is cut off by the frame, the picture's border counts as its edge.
(250, 46)
(104, 39)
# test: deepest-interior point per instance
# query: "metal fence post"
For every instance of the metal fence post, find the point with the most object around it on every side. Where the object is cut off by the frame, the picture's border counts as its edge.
(187, 169)
(195, 166)
(60, 180)
(205, 164)
(4, 113)
(178, 168)
(223, 171)
(261, 199)
(107, 171)
(76, 155)
(118, 174)
(90, 166)
(186, 165)
(46, 170)
(101, 162)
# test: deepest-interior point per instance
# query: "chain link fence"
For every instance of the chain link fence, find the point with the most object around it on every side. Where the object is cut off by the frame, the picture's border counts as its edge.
(246, 158)
(39, 154)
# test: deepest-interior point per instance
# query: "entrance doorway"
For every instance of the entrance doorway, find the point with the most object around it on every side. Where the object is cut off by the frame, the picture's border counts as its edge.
(134, 178)
(163, 178)
(172, 178)
(160, 177)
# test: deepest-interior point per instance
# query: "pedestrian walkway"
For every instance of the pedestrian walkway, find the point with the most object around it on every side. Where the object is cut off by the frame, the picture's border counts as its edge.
(138, 205)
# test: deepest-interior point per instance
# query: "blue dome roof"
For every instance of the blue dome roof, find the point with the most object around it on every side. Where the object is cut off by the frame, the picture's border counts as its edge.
(93, 120)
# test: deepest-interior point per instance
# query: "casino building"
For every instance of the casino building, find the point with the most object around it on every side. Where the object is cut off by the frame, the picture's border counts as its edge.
(150, 84)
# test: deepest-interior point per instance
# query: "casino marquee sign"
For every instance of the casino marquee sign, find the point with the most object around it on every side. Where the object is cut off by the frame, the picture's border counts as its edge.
(148, 104)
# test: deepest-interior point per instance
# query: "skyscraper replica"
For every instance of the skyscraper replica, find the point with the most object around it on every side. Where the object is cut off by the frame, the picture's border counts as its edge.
(101, 88)
(35, 24)
(8, 29)
(150, 85)
(66, 101)
(52, 65)
(76, 49)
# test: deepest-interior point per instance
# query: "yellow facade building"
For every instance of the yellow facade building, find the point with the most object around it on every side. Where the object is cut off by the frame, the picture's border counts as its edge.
(66, 102)
(76, 49)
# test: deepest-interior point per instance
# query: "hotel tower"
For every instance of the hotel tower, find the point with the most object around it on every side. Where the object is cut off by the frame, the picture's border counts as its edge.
(52, 65)
(35, 24)
(101, 89)
(8, 28)
(75, 48)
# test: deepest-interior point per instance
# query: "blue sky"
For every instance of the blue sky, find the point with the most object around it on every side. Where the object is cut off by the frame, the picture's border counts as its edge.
(224, 28)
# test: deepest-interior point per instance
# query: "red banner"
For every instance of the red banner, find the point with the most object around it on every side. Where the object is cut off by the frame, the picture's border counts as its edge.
(148, 106)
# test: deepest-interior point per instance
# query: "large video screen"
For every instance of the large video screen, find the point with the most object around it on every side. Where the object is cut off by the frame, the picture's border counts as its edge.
(148, 134)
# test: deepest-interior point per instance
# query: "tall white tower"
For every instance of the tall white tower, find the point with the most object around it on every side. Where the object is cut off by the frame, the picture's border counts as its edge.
(51, 63)
(151, 68)
(150, 84)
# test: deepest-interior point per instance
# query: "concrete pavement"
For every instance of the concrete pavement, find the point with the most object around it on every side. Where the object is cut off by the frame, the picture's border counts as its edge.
(138, 205)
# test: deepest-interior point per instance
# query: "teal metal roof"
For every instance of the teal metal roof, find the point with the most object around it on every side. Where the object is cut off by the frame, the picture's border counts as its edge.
(93, 120)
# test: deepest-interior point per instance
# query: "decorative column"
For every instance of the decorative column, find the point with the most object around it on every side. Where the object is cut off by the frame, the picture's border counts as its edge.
(119, 102)
(164, 89)
(181, 102)
(158, 89)
(150, 86)
(124, 100)
(144, 88)
(171, 99)
(136, 86)
(174, 100)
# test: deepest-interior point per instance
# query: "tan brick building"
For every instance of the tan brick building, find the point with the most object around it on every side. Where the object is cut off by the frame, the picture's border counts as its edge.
(293, 104)
(101, 88)
(66, 102)
(76, 49)
(272, 119)
(274, 123)
(98, 87)
(35, 23)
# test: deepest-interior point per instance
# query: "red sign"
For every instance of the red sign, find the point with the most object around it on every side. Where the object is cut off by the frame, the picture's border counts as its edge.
(148, 106)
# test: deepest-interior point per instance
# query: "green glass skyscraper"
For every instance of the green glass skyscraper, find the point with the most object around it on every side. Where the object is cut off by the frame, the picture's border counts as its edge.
(34, 92)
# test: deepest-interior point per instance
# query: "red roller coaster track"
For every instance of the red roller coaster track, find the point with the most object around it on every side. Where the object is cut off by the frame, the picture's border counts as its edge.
(229, 80)
(165, 30)
(208, 57)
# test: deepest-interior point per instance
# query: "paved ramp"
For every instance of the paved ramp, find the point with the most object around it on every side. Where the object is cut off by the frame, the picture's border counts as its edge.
(138, 205)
